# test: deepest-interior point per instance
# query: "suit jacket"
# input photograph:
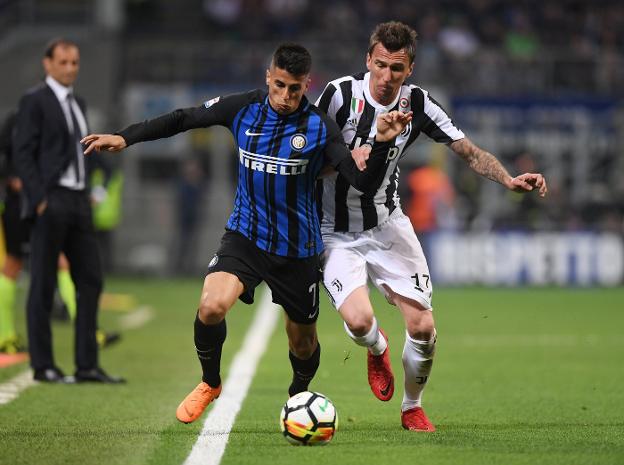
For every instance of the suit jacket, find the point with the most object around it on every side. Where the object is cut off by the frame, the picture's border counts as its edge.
(43, 146)
(5, 145)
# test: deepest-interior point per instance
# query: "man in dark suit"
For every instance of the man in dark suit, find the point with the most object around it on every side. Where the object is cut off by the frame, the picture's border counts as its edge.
(54, 173)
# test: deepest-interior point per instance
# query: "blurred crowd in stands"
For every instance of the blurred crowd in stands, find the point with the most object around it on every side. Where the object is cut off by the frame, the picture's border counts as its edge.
(549, 49)
(483, 45)
(458, 28)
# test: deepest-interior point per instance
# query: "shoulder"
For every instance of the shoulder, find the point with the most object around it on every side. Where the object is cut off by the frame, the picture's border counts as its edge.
(415, 91)
(346, 81)
(36, 92)
(237, 99)
(417, 95)
(340, 90)
(35, 100)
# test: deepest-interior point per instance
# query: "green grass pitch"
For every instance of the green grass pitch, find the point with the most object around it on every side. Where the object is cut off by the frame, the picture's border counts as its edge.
(521, 376)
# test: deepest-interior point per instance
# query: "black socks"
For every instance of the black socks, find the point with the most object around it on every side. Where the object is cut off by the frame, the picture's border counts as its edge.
(209, 341)
(303, 371)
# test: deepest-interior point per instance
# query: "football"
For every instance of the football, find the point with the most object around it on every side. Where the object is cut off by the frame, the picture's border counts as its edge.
(308, 419)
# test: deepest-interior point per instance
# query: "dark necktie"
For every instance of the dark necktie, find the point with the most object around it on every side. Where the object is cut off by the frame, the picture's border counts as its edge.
(76, 136)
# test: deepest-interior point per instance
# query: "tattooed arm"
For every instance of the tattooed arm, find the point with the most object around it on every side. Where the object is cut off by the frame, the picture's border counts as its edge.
(486, 164)
(481, 162)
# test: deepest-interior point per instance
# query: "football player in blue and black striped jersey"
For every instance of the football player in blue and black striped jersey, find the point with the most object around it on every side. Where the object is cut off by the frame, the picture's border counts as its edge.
(273, 235)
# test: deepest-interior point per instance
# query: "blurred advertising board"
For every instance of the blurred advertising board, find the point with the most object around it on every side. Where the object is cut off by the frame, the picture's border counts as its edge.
(520, 258)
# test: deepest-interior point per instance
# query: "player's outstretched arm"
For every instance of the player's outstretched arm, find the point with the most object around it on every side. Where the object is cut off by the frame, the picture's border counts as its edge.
(103, 142)
(486, 164)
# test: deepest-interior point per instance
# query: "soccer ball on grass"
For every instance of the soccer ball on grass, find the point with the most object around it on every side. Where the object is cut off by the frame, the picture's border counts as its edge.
(308, 419)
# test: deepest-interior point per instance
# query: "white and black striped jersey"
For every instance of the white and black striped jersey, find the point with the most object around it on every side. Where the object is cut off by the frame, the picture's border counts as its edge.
(348, 101)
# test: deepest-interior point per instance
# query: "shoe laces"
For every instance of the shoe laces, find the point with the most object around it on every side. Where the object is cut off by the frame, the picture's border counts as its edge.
(416, 416)
(205, 391)
(378, 366)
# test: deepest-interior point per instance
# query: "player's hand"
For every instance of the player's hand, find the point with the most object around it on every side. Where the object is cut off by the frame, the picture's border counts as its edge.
(390, 125)
(527, 182)
(360, 156)
(103, 142)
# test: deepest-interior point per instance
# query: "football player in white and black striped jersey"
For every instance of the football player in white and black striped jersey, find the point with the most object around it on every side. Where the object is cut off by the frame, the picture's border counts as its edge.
(367, 236)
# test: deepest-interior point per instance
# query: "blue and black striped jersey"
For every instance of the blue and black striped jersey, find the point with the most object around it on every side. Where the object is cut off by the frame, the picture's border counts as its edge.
(280, 158)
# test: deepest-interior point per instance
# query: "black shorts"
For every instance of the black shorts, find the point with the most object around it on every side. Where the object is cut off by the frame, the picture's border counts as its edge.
(294, 282)
(16, 230)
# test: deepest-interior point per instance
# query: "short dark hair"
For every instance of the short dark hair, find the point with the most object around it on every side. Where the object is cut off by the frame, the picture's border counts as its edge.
(57, 42)
(394, 36)
(293, 58)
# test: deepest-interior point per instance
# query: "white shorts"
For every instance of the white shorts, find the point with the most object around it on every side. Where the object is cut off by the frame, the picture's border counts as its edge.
(389, 254)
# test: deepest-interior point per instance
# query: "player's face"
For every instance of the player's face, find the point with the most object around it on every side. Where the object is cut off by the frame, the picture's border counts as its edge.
(388, 71)
(64, 64)
(285, 90)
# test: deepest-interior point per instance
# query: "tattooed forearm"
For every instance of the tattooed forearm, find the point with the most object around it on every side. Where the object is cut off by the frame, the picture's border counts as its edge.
(480, 161)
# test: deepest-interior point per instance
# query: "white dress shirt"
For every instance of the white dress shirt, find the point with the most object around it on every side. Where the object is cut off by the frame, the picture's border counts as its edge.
(70, 179)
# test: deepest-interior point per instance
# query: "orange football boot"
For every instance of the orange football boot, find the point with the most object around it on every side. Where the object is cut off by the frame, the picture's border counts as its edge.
(193, 405)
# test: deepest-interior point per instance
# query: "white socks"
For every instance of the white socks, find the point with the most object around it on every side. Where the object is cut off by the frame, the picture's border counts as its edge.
(374, 340)
(417, 361)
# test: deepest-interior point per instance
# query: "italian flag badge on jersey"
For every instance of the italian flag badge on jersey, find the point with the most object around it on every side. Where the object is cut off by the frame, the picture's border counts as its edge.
(357, 105)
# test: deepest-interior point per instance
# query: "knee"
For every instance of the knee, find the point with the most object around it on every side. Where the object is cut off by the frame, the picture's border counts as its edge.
(421, 331)
(421, 325)
(303, 346)
(360, 325)
(212, 311)
(98, 284)
(94, 281)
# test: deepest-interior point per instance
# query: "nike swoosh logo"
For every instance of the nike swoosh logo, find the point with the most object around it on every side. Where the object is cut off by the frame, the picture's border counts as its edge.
(384, 391)
(249, 133)
(313, 314)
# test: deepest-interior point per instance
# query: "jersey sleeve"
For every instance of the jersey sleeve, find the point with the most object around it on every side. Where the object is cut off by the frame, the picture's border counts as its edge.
(219, 111)
(336, 149)
(435, 121)
(338, 156)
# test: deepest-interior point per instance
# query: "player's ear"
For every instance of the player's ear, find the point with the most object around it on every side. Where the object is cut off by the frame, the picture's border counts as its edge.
(411, 69)
(368, 61)
(268, 77)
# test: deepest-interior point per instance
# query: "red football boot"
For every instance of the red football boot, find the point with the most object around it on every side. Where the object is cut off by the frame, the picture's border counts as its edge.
(414, 419)
(380, 377)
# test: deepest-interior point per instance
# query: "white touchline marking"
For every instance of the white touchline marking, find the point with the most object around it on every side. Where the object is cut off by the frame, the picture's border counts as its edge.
(136, 318)
(215, 433)
(12, 388)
